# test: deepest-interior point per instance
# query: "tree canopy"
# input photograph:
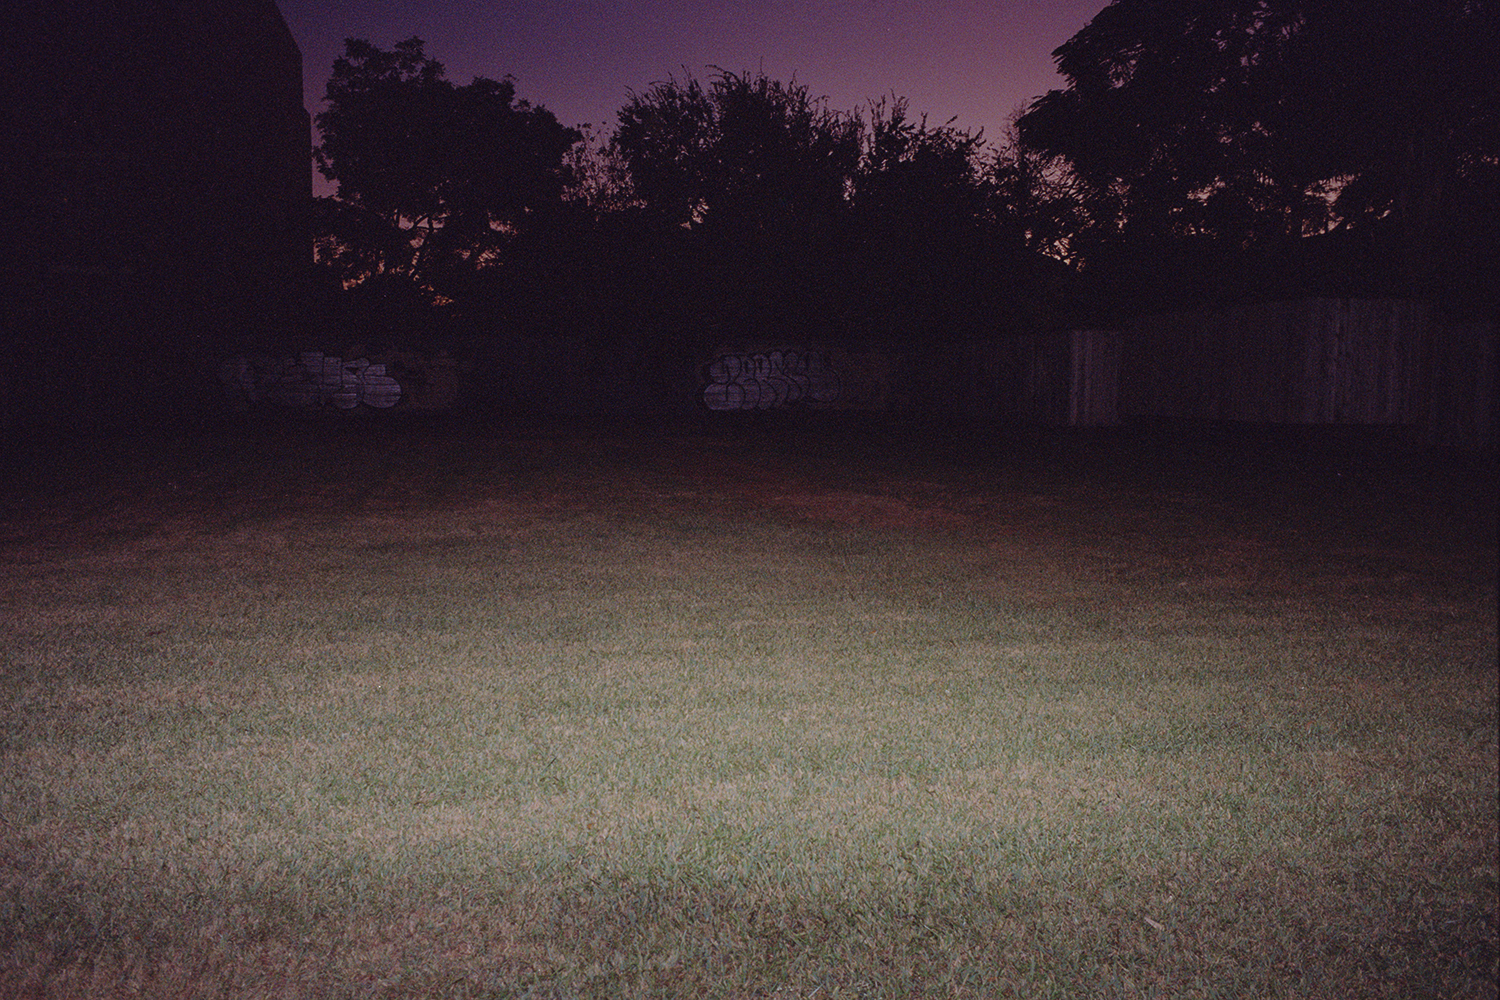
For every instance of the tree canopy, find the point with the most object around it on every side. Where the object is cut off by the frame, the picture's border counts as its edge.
(1249, 125)
(1201, 151)
(432, 177)
(865, 223)
(741, 206)
(745, 152)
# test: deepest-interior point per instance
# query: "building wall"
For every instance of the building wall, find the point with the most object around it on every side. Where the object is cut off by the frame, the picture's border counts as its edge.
(157, 179)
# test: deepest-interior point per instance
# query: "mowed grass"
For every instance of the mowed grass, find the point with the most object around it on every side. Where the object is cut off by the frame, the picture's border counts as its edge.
(775, 714)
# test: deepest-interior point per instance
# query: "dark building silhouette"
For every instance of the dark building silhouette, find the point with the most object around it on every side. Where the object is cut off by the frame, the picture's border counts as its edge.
(156, 175)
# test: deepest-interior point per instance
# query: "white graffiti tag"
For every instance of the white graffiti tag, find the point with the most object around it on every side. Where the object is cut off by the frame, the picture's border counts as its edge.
(771, 379)
(313, 380)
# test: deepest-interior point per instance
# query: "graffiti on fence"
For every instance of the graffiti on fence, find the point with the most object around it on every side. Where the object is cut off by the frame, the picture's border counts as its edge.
(770, 379)
(311, 380)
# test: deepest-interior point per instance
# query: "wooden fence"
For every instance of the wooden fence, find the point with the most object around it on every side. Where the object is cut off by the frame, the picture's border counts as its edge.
(1316, 361)
(1372, 362)
(1065, 378)
(1461, 389)
(1385, 362)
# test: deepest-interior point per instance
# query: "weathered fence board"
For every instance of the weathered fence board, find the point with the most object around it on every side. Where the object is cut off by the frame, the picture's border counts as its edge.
(1316, 361)
(1379, 362)
(1388, 362)
(1068, 377)
(1094, 378)
(1461, 398)
(1319, 361)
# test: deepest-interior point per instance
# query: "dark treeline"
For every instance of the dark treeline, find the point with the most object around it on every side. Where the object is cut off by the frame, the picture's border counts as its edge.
(1240, 149)
(736, 207)
(1201, 154)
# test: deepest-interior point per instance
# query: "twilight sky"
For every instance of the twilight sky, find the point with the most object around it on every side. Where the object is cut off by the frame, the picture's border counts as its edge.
(974, 59)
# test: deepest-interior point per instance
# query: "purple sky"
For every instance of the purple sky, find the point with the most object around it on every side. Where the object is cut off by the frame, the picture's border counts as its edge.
(974, 59)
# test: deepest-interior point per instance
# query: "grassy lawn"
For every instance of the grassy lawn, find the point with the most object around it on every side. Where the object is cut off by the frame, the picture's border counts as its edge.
(400, 713)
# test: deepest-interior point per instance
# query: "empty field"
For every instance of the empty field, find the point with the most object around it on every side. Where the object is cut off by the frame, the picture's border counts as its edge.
(356, 713)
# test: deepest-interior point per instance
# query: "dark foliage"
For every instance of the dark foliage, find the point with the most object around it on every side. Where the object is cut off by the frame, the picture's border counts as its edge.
(742, 209)
(1261, 147)
(1201, 154)
(790, 218)
(434, 180)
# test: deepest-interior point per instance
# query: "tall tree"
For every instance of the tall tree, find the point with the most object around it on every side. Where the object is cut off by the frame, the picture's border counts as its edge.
(1037, 197)
(432, 177)
(745, 179)
(1255, 123)
(1172, 118)
(922, 226)
(815, 220)
(1405, 97)
(745, 151)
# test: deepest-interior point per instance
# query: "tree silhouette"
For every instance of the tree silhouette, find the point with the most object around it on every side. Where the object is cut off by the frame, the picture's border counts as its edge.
(1406, 101)
(928, 246)
(747, 152)
(1037, 197)
(433, 178)
(740, 209)
(744, 181)
(1235, 129)
(789, 216)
